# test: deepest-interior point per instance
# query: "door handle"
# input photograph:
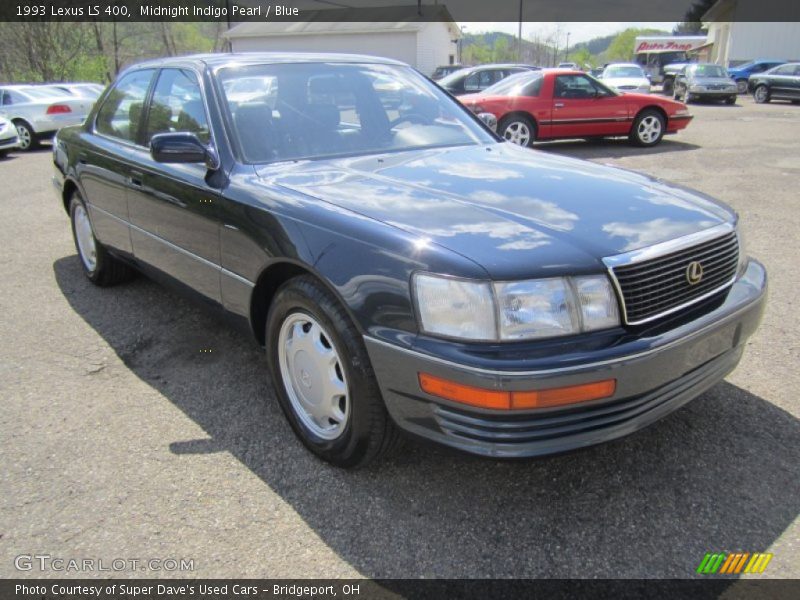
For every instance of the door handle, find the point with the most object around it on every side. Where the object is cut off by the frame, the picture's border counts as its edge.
(135, 179)
(559, 105)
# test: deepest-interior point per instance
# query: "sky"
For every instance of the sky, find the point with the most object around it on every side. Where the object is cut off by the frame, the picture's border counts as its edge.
(579, 32)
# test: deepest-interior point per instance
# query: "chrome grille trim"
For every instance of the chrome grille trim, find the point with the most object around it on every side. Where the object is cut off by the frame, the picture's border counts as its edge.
(653, 290)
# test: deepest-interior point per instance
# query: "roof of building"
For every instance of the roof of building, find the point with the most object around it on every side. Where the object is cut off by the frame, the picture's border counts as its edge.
(348, 20)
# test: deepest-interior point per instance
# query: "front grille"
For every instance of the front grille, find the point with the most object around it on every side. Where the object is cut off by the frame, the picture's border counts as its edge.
(658, 286)
(626, 87)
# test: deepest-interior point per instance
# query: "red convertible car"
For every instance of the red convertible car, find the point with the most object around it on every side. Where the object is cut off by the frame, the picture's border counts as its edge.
(562, 103)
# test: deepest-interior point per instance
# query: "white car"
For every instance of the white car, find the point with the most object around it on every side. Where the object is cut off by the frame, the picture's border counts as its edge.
(626, 77)
(38, 112)
(8, 136)
(91, 91)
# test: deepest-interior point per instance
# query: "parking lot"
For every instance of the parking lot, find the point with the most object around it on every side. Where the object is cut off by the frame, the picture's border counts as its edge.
(137, 426)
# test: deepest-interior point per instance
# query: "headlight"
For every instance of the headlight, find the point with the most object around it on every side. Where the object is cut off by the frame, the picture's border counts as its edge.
(517, 310)
(455, 307)
(697, 88)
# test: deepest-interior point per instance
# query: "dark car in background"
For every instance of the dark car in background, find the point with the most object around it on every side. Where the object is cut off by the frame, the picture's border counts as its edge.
(741, 73)
(779, 83)
(704, 81)
(472, 80)
(403, 266)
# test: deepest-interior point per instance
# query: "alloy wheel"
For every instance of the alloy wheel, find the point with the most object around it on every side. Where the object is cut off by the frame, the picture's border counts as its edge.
(762, 94)
(518, 133)
(313, 376)
(649, 129)
(25, 136)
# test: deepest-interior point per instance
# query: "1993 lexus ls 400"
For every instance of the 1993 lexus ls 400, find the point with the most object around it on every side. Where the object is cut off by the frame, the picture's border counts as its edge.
(405, 268)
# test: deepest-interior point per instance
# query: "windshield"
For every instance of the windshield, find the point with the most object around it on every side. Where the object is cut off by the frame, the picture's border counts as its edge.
(623, 71)
(516, 85)
(317, 110)
(452, 77)
(708, 71)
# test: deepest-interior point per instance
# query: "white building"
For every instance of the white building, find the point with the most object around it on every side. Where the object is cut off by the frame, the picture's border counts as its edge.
(424, 44)
(735, 38)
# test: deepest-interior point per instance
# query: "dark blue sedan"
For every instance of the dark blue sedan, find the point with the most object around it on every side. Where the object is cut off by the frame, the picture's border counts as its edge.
(405, 268)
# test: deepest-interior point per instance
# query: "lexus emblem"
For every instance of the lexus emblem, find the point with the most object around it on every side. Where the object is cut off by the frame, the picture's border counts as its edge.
(694, 272)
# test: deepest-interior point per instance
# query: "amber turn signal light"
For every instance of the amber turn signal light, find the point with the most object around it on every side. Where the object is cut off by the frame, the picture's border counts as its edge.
(497, 399)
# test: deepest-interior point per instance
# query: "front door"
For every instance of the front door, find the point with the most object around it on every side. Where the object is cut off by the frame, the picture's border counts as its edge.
(584, 108)
(173, 208)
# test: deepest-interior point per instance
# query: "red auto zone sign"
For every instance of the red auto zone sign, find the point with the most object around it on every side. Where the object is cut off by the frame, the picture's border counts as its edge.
(667, 45)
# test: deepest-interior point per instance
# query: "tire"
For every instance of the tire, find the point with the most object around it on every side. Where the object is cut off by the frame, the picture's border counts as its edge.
(741, 86)
(3, 153)
(648, 128)
(351, 427)
(730, 100)
(761, 94)
(687, 97)
(27, 136)
(100, 267)
(518, 129)
(668, 87)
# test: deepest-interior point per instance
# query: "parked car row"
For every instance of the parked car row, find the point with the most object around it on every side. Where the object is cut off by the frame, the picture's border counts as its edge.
(37, 111)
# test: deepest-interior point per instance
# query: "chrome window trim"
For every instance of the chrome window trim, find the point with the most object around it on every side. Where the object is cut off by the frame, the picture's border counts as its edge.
(662, 249)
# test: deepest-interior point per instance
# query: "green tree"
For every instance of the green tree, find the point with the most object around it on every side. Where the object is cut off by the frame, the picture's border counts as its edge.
(621, 47)
(582, 56)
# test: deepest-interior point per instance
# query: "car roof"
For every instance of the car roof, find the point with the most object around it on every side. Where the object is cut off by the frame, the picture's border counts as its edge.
(217, 60)
(622, 64)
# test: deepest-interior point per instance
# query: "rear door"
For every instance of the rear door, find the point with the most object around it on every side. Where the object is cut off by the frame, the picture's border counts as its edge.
(173, 209)
(581, 108)
(781, 81)
(104, 165)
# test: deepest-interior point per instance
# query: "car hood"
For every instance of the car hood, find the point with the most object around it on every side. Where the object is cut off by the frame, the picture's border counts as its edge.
(711, 81)
(516, 212)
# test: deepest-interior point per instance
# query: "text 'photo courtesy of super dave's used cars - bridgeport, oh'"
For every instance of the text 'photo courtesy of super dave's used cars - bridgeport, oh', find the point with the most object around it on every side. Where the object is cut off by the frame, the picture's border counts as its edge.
(404, 267)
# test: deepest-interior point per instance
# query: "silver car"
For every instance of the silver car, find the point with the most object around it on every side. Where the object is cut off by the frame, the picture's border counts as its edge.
(38, 112)
(705, 81)
(8, 136)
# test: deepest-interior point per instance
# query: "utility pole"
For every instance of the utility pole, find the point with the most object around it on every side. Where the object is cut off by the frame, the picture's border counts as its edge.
(566, 53)
(519, 36)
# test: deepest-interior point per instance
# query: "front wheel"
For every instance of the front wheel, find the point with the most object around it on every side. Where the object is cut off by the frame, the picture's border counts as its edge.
(518, 130)
(668, 86)
(26, 135)
(741, 86)
(761, 95)
(323, 377)
(648, 128)
(99, 266)
(730, 100)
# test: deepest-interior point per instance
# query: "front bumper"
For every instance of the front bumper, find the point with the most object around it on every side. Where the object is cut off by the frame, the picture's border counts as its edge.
(715, 94)
(9, 143)
(655, 376)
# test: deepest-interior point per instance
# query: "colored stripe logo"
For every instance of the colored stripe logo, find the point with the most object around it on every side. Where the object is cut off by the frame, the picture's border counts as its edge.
(733, 563)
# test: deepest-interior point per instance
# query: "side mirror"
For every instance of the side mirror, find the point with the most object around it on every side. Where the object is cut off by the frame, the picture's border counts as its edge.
(182, 147)
(489, 119)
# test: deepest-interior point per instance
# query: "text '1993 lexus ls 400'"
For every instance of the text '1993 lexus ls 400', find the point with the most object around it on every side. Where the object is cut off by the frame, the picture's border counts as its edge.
(404, 267)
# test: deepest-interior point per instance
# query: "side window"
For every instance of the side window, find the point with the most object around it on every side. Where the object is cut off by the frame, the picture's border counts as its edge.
(784, 70)
(121, 113)
(575, 87)
(177, 105)
(534, 88)
(481, 80)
